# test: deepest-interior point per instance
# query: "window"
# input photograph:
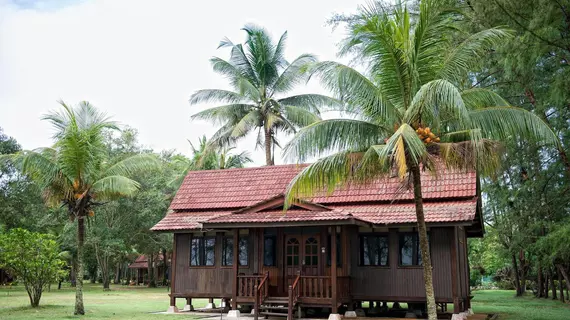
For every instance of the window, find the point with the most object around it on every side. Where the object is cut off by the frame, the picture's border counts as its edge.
(311, 252)
(338, 251)
(269, 246)
(228, 251)
(202, 251)
(374, 250)
(410, 253)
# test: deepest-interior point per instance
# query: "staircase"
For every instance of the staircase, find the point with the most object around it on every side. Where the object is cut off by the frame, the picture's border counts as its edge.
(274, 307)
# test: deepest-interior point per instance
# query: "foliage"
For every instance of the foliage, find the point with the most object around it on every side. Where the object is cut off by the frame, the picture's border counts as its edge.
(413, 105)
(76, 172)
(259, 74)
(33, 258)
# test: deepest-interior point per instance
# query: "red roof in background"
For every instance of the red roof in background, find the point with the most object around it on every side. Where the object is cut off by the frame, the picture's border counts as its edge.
(142, 261)
(237, 188)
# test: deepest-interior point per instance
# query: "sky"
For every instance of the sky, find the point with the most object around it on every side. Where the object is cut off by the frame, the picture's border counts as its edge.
(139, 61)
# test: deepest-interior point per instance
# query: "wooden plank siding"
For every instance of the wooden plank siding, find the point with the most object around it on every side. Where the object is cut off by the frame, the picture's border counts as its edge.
(391, 283)
(395, 283)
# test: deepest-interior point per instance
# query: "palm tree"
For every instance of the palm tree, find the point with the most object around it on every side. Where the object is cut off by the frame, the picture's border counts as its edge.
(76, 174)
(259, 74)
(206, 157)
(409, 109)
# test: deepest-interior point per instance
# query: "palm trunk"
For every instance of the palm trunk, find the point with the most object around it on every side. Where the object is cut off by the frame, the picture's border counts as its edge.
(560, 286)
(268, 155)
(422, 233)
(79, 309)
(150, 272)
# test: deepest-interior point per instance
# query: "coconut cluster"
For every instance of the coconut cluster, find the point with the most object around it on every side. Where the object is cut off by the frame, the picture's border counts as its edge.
(426, 135)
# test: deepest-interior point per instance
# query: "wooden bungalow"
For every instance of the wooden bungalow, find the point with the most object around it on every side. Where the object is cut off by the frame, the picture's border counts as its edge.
(233, 241)
(140, 268)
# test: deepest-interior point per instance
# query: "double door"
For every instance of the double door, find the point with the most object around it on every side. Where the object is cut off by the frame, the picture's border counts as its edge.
(302, 254)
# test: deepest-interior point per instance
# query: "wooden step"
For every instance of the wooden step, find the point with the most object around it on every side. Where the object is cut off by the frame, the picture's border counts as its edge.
(276, 300)
(265, 307)
(275, 314)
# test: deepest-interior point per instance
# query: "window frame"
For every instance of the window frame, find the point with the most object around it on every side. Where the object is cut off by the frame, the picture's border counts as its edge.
(229, 264)
(202, 254)
(415, 253)
(273, 252)
(385, 235)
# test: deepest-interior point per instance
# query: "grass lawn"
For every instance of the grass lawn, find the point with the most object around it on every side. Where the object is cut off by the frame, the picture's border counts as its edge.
(139, 303)
(120, 303)
(523, 308)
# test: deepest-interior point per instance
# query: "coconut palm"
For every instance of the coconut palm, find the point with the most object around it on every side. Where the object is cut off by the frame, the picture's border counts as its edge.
(76, 173)
(409, 109)
(259, 75)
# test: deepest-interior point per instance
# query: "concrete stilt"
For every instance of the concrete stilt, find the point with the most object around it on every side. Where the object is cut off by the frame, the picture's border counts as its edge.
(350, 314)
(335, 316)
(172, 309)
(233, 314)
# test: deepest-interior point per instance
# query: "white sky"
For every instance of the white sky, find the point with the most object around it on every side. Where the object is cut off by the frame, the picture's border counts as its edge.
(139, 61)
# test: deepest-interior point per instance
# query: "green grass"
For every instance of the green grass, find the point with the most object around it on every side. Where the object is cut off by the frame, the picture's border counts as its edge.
(509, 307)
(140, 303)
(120, 303)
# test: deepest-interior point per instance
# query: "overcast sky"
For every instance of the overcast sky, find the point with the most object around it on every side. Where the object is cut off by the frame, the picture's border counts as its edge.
(139, 61)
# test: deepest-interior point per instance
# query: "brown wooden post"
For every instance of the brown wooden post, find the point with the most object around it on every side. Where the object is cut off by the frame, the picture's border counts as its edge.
(333, 270)
(255, 303)
(236, 269)
(290, 306)
(454, 267)
(173, 272)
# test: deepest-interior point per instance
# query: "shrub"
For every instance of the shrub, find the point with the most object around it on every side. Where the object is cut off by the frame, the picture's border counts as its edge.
(32, 258)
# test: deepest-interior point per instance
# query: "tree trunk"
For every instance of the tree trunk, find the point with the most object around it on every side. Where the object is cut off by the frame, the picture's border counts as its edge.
(552, 284)
(540, 288)
(564, 275)
(150, 269)
(545, 294)
(268, 143)
(424, 245)
(516, 272)
(73, 272)
(117, 274)
(79, 309)
(523, 271)
(164, 268)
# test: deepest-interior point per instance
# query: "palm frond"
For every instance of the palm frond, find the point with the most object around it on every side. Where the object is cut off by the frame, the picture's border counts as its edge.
(227, 113)
(294, 74)
(477, 98)
(356, 91)
(216, 95)
(466, 56)
(132, 165)
(505, 123)
(436, 100)
(247, 123)
(327, 136)
(112, 187)
(402, 149)
(312, 102)
(299, 117)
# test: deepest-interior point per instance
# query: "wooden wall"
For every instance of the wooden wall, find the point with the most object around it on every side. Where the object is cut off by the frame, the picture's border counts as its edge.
(205, 281)
(392, 283)
(395, 283)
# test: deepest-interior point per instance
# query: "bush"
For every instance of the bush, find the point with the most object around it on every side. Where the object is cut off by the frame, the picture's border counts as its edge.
(33, 258)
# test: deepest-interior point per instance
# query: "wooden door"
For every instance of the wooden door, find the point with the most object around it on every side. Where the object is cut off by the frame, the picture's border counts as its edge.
(301, 255)
(293, 246)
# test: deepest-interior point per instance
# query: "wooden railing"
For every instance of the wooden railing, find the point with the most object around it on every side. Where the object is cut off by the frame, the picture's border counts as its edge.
(261, 291)
(294, 294)
(247, 284)
(316, 287)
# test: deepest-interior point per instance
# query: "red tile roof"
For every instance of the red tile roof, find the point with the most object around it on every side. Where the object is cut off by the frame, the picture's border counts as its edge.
(186, 220)
(275, 216)
(218, 197)
(448, 211)
(238, 188)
